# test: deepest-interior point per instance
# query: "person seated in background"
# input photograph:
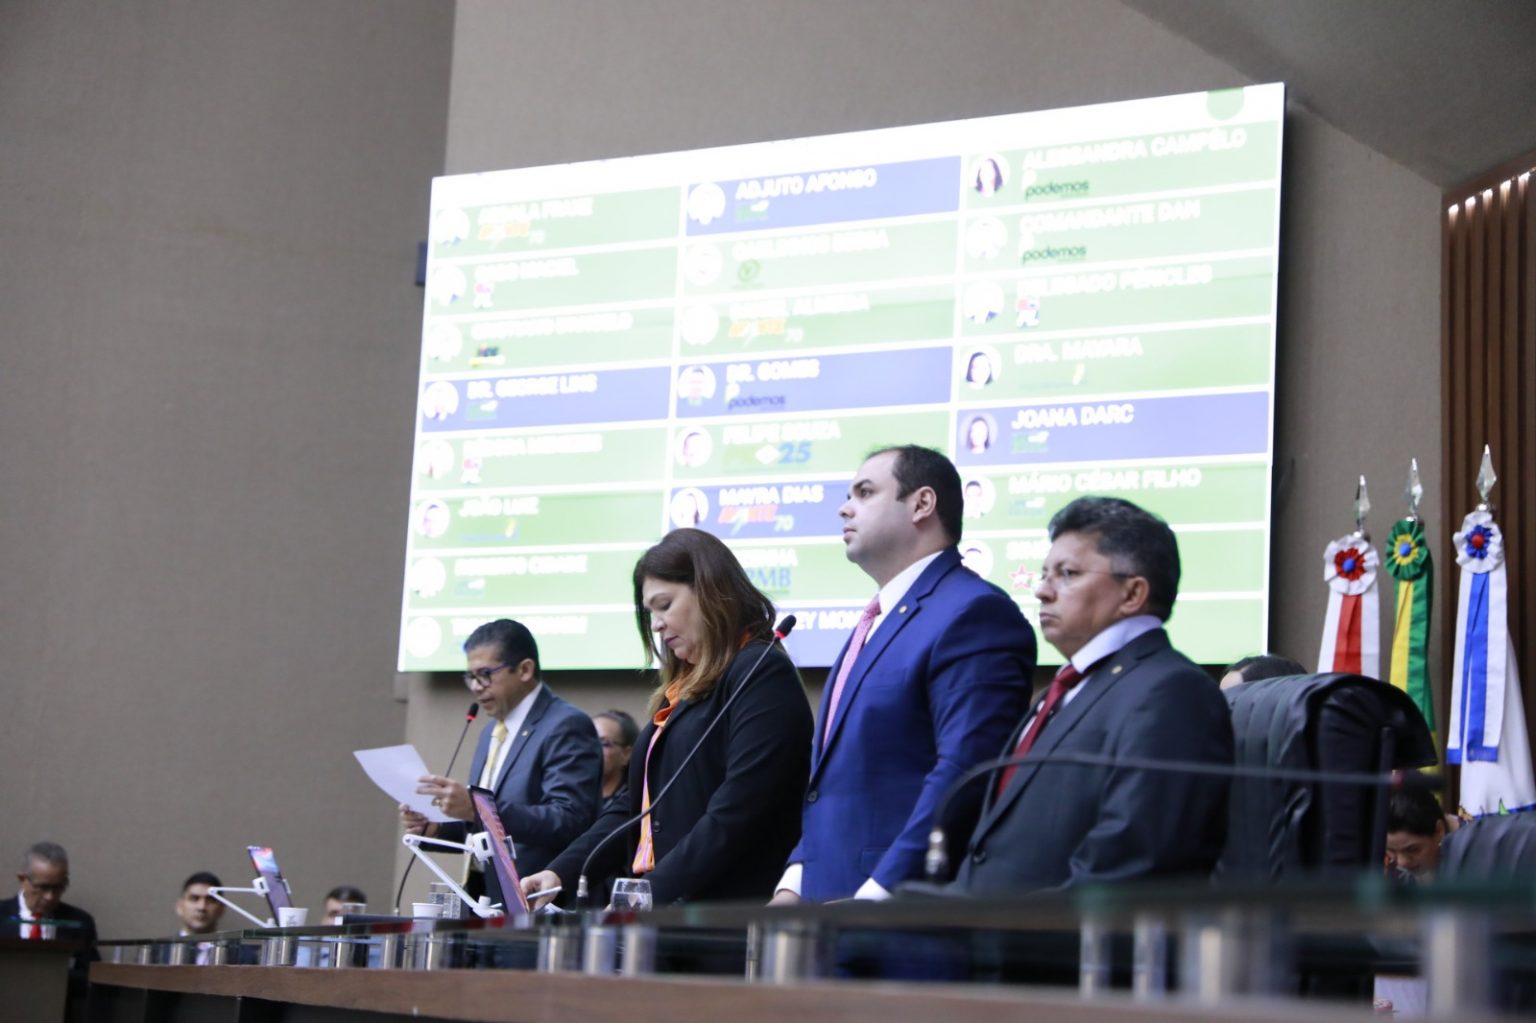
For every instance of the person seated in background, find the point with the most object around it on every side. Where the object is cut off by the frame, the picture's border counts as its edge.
(39, 912)
(1257, 666)
(198, 911)
(733, 814)
(1416, 825)
(617, 732)
(1108, 584)
(339, 896)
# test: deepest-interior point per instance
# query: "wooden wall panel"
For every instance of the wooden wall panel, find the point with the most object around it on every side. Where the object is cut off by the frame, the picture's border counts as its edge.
(1488, 373)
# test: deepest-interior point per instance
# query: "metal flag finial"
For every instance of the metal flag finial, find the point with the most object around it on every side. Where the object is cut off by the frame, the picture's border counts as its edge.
(1414, 491)
(1362, 507)
(1486, 478)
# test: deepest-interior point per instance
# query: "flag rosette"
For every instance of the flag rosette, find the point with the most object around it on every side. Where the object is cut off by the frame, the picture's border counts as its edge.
(1480, 544)
(1350, 565)
(1407, 553)
(1351, 626)
(1409, 561)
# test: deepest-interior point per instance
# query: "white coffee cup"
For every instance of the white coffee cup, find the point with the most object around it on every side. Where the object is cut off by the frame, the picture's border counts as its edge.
(292, 916)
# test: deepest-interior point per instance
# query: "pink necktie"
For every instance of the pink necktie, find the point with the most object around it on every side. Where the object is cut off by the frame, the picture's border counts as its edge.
(1065, 679)
(856, 644)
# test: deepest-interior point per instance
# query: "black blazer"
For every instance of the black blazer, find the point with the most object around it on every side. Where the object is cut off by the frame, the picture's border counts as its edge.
(725, 829)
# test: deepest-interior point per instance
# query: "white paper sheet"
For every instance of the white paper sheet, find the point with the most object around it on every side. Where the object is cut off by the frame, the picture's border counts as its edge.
(396, 770)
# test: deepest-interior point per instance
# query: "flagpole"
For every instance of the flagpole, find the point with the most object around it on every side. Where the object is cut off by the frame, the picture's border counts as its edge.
(1486, 733)
(1352, 627)
(1409, 561)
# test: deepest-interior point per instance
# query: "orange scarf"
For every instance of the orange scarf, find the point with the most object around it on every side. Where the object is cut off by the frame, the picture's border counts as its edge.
(645, 854)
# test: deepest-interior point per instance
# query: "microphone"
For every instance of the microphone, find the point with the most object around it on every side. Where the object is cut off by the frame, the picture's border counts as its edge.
(936, 860)
(469, 718)
(783, 629)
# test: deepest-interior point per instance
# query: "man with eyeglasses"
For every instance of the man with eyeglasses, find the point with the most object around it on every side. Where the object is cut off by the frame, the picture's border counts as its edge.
(1108, 584)
(39, 912)
(539, 754)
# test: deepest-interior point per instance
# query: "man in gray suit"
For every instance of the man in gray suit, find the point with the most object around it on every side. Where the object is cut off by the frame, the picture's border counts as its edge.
(540, 756)
(1107, 586)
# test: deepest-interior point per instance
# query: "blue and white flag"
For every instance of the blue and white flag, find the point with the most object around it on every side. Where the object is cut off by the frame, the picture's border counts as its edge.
(1487, 735)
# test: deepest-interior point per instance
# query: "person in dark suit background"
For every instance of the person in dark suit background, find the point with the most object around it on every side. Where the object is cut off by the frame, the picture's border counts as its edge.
(732, 813)
(39, 912)
(338, 898)
(935, 675)
(617, 732)
(1256, 667)
(541, 757)
(197, 909)
(1108, 584)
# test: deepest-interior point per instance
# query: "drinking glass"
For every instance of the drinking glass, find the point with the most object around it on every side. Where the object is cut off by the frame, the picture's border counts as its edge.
(631, 893)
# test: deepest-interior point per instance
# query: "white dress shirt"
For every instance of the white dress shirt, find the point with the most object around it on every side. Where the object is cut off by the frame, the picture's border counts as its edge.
(1106, 644)
(26, 916)
(514, 722)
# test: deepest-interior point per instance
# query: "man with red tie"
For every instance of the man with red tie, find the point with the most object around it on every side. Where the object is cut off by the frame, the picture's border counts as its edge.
(39, 912)
(1108, 584)
(935, 673)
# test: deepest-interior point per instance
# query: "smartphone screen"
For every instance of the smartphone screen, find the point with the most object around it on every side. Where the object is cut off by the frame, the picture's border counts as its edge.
(506, 870)
(265, 862)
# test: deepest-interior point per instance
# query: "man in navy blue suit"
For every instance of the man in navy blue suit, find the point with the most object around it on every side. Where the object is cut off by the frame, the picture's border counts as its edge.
(932, 680)
(540, 755)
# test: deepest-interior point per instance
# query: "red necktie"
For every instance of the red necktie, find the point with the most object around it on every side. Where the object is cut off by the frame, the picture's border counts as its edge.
(37, 932)
(856, 644)
(1065, 679)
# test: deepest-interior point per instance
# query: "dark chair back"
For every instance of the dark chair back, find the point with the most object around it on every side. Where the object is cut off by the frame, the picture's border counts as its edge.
(1330, 722)
(1491, 847)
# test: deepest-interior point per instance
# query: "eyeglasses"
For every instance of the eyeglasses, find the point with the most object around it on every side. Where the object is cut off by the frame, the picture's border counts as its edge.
(1063, 578)
(46, 889)
(481, 677)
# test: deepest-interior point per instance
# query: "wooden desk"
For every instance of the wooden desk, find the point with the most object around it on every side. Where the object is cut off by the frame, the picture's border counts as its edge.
(34, 979)
(122, 993)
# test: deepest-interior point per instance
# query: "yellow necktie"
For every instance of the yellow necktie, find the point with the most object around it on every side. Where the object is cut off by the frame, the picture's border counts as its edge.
(488, 772)
(487, 780)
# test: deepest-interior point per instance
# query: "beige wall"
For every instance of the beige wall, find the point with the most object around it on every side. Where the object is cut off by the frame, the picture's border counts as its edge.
(209, 215)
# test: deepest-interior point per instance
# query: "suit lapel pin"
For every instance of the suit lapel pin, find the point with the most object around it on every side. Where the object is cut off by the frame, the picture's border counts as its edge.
(1115, 670)
(902, 609)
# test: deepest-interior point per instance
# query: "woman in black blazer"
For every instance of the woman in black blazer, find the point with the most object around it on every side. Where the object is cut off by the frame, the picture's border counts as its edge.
(725, 827)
